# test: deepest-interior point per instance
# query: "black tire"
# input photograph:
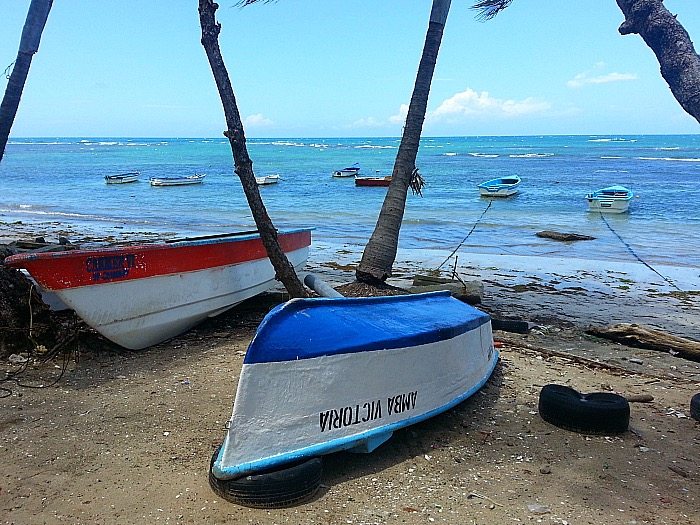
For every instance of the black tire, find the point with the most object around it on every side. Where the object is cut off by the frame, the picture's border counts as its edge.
(270, 489)
(695, 407)
(595, 413)
(510, 325)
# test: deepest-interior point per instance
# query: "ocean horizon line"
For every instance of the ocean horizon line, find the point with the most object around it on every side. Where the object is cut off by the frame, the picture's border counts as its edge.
(328, 137)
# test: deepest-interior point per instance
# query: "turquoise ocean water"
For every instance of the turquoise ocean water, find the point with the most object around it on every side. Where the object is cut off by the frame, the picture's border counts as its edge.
(61, 180)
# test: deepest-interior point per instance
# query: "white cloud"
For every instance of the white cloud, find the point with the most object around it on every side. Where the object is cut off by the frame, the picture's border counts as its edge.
(367, 122)
(471, 103)
(586, 78)
(257, 120)
(400, 117)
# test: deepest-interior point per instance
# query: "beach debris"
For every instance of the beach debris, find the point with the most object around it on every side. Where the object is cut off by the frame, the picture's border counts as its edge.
(638, 336)
(564, 237)
(537, 508)
(481, 496)
(470, 292)
(17, 359)
(639, 398)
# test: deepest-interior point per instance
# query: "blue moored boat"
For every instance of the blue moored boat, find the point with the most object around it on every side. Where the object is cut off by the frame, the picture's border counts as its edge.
(330, 374)
(613, 199)
(501, 187)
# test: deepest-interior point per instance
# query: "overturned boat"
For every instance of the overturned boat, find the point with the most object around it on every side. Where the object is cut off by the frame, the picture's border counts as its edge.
(139, 295)
(330, 374)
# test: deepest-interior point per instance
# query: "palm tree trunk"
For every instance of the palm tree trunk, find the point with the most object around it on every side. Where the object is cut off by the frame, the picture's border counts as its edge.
(380, 253)
(29, 44)
(284, 271)
(668, 39)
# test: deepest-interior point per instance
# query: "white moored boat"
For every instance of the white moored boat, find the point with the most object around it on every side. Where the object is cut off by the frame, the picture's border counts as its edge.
(501, 187)
(330, 374)
(350, 171)
(267, 179)
(139, 295)
(177, 181)
(613, 199)
(122, 178)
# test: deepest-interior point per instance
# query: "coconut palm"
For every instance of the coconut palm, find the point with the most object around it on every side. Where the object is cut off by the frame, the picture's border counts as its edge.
(243, 164)
(665, 36)
(28, 45)
(380, 253)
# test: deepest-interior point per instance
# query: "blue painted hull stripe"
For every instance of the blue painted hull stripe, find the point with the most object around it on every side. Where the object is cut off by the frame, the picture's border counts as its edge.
(345, 443)
(309, 328)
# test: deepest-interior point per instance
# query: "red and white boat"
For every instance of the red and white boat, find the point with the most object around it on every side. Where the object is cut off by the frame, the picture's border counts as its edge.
(142, 294)
(372, 181)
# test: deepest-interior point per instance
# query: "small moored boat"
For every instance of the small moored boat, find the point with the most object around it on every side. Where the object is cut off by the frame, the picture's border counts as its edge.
(350, 171)
(141, 294)
(267, 179)
(613, 199)
(122, 178)
(372, 181)
(330, 374)
(500, 187)
(177, 181)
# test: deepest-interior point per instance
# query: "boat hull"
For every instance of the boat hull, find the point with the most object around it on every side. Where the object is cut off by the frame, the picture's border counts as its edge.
(141, 295)
(122, 179)
(608, 205)
(346, 173)
(614, 199)
(372, 181)
(503, 187)
(177, 181)
(345, 373)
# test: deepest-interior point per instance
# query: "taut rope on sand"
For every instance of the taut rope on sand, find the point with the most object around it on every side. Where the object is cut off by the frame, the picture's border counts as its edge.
(629, 249)
(470, 232)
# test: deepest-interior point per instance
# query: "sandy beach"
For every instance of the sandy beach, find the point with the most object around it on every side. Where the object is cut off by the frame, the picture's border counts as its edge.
(126, 437)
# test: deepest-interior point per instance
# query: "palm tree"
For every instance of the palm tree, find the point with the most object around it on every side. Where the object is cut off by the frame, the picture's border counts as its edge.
(665, 36)
(243, 165)
(28, 45)
(380, 253)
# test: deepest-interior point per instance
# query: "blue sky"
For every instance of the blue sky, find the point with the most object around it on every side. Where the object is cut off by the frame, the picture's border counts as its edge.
(331, 68)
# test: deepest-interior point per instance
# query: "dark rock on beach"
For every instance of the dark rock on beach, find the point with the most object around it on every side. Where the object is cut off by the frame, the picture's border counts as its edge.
(559, 236)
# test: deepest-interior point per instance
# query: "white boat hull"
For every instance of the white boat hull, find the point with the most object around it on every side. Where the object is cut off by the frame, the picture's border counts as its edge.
(304, 407)
(142, 313)
(498, 192)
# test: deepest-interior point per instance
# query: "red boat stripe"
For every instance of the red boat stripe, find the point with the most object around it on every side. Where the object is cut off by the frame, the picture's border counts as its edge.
(70, 269)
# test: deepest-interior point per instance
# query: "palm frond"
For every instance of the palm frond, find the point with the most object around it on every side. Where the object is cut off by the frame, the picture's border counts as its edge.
(489, 8)
(243, 3)
(416, 183)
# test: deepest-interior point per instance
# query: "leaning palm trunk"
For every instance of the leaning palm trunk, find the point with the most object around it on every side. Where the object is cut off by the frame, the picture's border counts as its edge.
(284, 271)
(380, 253)
(29, 44)
(668, 39)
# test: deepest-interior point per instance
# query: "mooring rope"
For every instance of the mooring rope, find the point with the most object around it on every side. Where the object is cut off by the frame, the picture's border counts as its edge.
(634, 254)
(470, 232)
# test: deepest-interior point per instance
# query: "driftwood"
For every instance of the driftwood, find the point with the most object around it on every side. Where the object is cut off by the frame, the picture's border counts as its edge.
(649, 338)
(558, 236)
(470, 292)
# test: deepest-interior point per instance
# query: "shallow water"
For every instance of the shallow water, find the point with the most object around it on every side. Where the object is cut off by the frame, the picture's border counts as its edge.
(62, 180)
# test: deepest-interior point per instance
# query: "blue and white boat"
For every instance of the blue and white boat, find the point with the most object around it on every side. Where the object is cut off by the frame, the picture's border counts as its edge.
(613, 199)
(122, 178)
(330, 374)
(501, 187)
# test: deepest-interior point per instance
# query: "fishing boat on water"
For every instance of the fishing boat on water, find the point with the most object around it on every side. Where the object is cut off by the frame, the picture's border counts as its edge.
(372, 181)
(140, 294)
(122, 178)
(350, 171)
(328, 374)
(177, 181)
(267, 179)
(613, 199)
(500, 187)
